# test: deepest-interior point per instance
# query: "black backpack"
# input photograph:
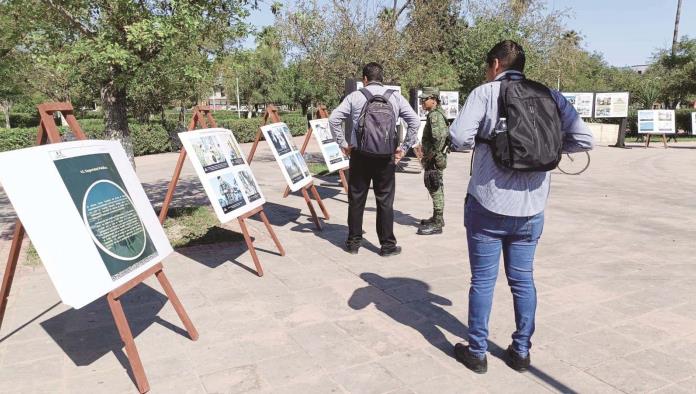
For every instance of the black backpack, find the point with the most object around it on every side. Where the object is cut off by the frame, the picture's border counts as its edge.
(376, 132)
(534, 140)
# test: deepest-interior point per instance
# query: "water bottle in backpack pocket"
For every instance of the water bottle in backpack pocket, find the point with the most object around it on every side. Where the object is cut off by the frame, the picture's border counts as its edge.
(376, 134)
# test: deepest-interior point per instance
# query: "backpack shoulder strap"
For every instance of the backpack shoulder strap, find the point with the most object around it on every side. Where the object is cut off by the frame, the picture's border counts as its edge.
(387, 94)
(502, 98)
(367, 94)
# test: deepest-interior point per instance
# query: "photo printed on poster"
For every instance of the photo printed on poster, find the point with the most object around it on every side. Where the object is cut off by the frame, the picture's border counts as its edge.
(87, 215)
(611, 105)
(292, 164)
(333, 156)
(106, 208)
(656, 122)
(582, 102)
(232, 188)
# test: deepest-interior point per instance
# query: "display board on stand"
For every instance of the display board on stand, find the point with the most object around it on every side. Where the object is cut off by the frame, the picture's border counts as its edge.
(582, 102)
(613, 105)
(660, 121)
(693, 123)
(225, 175)
(330, 151)
(90, 221)
(291, 162)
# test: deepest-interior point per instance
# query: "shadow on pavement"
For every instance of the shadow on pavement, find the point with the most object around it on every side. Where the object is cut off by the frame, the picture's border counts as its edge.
(215, 255)
(422, 310)
(89, 333)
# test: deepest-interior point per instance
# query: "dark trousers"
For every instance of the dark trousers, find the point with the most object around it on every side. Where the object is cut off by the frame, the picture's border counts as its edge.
(379, 171)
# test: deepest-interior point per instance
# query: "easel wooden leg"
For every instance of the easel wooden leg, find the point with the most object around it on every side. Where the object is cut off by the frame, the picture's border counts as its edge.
(250, 245)
(647, 141)
(11, 267)
(178, 307)
(311, 208)
(286, 192)
(664, 140)
(281, 250)
(172, 186)
(127, 338)
(317, 197)
(344, 180)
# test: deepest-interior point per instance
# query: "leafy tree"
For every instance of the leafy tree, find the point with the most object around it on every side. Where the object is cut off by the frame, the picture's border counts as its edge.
(150, 49)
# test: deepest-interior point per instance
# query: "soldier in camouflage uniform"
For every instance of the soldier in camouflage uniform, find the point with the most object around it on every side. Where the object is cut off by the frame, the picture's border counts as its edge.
(434, 158)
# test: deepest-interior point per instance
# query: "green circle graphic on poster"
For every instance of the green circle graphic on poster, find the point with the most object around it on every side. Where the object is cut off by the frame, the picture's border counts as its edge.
(113, 222)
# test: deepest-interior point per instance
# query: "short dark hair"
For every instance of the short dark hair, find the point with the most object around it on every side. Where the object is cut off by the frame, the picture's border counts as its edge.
(510, 55)
(373, 72)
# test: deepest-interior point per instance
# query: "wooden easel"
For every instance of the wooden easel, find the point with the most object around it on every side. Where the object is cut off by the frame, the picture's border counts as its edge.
(319, 114)
(664, 140)
(48, 133)
(271, 116)
(202, 116)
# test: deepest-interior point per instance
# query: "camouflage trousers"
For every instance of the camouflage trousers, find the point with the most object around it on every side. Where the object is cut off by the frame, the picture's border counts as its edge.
(438, 196)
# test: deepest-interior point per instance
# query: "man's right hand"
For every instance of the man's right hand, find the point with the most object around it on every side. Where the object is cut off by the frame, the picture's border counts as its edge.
(346, 150)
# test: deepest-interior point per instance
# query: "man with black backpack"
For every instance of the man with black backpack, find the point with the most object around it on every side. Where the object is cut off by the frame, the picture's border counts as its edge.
(520, 128)
(374, 149)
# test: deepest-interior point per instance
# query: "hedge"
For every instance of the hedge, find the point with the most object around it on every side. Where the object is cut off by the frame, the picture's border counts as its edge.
(151, 137)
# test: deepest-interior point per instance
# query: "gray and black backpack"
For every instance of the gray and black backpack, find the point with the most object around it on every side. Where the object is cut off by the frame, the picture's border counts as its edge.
(533, 140)
(376, 132)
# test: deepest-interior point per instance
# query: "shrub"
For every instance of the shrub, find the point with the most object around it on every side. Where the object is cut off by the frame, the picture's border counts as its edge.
(154, 137)
(24, 120)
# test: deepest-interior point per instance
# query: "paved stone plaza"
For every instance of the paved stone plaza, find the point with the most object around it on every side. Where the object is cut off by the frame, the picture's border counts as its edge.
(615, 273)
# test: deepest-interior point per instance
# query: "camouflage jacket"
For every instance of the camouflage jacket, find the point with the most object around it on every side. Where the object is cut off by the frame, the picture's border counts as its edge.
(434, 139)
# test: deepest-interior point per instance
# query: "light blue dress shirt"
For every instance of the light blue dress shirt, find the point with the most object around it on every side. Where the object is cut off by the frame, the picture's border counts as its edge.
(500, 190)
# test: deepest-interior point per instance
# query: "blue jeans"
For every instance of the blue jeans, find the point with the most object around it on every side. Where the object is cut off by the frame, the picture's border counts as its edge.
(488, 233)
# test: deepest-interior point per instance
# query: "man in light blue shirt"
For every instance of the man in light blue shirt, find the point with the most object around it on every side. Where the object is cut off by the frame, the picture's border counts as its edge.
(366, 169)
(504, 210)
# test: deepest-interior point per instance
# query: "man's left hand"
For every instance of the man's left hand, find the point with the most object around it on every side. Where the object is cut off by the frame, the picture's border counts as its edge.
(398, 154)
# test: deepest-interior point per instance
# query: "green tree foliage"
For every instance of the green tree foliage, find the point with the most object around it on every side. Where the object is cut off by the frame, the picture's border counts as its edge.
(138, 55)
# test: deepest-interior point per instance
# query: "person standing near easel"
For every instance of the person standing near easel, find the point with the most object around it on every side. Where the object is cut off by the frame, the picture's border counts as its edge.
(434, 159)
(374, 151)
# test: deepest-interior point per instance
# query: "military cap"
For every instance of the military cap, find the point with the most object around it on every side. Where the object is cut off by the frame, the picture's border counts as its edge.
(430, 92)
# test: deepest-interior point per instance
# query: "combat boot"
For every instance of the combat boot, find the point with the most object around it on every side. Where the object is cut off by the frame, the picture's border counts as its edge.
(434, 227)
(430, 220)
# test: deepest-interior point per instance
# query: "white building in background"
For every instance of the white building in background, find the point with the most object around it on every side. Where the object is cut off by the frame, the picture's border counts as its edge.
(218, 100)
(640, 69)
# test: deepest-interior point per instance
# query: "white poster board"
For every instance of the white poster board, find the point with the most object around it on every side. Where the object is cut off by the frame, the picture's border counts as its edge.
(289, 159)
(87, 215)
(611, 105)
(449, 100)
(224, 173)
(659, 121)
(333, 155)
(582, 102)
(693, 123)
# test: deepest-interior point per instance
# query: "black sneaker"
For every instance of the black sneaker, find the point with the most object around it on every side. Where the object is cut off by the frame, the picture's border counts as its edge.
(464, 356)
(515, 361)
(352, 247)
(390, 251)
(430, 220)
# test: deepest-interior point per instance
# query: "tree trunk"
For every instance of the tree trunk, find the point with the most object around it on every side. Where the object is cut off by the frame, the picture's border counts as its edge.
(6, 107)
(116, 118)
(675, 38)
(304, 105)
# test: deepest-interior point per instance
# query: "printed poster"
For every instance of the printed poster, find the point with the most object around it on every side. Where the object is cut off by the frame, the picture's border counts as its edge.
(582, 102)
(611, 105)
(656, 122)
(223, 171)
(292, 164)
(86, 213)
(449, 100)
(333, 156)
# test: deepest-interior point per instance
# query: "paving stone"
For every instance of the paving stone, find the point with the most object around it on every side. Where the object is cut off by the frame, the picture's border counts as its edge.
(367, 378)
